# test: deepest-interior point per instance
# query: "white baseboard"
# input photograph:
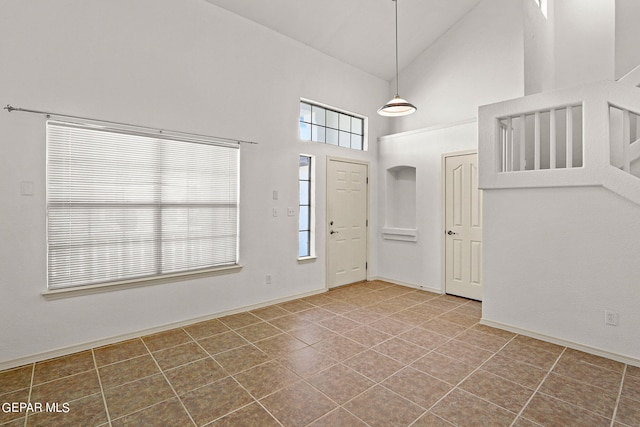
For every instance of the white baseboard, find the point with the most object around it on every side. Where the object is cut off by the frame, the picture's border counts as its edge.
(565, 343)
(139, 333)
(407, 284)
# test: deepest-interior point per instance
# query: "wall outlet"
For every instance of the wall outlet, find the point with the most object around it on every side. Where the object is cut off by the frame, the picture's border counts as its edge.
(610, 318)
(268, 279)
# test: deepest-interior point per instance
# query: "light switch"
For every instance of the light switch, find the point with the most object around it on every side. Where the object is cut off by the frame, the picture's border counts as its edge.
(291, 211)
(275, 194)
(275, 211)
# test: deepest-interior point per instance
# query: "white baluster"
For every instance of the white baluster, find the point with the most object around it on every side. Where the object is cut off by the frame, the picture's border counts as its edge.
(552, 139)
(626, 140)
(536, 146)
(523, 162)
(569, 160)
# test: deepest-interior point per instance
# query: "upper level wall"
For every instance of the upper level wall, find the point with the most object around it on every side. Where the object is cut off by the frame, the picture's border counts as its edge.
(627, 36)
(478, 61)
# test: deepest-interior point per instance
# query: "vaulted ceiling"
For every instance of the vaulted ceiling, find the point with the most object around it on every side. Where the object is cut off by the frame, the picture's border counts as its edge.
(357, 32)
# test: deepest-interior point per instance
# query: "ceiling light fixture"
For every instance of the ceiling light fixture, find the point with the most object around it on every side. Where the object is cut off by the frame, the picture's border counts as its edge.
(397, 106)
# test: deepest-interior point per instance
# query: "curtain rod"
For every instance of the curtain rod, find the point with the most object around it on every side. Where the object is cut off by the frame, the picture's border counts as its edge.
(10, 109)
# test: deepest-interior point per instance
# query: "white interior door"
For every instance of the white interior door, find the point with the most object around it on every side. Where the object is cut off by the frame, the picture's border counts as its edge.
(347, 222)
(463, 227)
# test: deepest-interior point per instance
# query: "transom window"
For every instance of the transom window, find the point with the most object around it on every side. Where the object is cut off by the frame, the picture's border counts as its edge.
(324, 125)
(124, 205)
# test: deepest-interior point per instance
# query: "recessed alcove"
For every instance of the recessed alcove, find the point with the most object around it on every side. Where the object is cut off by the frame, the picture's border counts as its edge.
(400, 204)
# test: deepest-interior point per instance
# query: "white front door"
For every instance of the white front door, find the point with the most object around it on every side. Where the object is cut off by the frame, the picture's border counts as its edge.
(346, 222)
(463, 227)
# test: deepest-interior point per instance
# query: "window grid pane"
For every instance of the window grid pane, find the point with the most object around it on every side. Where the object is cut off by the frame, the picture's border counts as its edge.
(320, 124)
(304, 217)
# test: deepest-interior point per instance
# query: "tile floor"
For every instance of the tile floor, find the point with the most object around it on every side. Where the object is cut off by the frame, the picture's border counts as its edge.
(370, 354)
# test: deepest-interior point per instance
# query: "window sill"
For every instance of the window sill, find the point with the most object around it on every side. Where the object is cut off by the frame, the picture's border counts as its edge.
(307, 259)
(52, 294)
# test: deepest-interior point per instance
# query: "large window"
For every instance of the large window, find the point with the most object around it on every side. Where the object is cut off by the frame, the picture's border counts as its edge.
(332, 127)
(124, 204)
(305, 218)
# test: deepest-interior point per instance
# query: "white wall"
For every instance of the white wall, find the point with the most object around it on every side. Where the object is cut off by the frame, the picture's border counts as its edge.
(175, 64)
(478, 61)
(557, 258)
(419, 263)
(627, 35)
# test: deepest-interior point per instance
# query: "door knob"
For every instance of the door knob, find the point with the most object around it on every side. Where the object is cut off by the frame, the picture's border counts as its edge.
(451, 233)
(333, 232)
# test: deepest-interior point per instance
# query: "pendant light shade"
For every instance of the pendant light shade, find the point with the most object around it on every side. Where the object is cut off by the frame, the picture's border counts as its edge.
(397, 106)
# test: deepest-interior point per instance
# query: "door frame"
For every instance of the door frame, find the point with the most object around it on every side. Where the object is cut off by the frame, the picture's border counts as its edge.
(443, 206)
(326, 214)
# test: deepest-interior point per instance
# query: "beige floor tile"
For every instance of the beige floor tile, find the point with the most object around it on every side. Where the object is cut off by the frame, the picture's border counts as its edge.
(580, 394)
(443, 327)
(205, 329)
(166, 339)
(340, 383)
(493, 331)
(579, 356)
(339, 307)
(296, 306)
(319, 300)
(442, 367)
(463, 409)
(463, 352)
(364, 316)
(252, 415)
(512, 370)
(120, 351)
(215, 400)
(542, 345)
(590, 374)
(168, 413)
(266, 379)
(132, 397)
(460, 319)
(338, 417)
(479, 339)
(54, 369)
(270, 312)
(307, 361)
(194, 375)
(631, 387)
(128, 370)
(240, 320)
(526, 354)
(634, 371)
(179, 355)
(547, 410)
(418, 387)
(504, 393)
(280, 345)
(87, 411)
(258, 331)
(241, 358)
(316, 314)
(628, 412)
(339, 324)
(380, 407)
(426, 339)
(311, 334)
(431, 420)
(222, 342)
(289, 322)
(390, 326)
(15, 379)
(374, 365)
(412, 318)
(10, 415)
(339, 348)
(367, 336)
(67, 388)
(401, 350)
(298, 405)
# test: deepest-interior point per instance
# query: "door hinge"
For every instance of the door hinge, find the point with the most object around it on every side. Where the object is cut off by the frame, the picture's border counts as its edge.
(367, 180)
(367, 223)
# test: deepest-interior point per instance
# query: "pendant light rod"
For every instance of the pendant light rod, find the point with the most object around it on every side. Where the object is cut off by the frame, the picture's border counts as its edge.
(397, 71)
(397, 106)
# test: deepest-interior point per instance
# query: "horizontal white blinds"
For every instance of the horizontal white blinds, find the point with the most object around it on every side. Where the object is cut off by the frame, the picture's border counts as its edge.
(123, 205)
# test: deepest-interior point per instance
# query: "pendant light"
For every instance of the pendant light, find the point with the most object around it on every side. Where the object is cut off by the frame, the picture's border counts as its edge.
(397, 106)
